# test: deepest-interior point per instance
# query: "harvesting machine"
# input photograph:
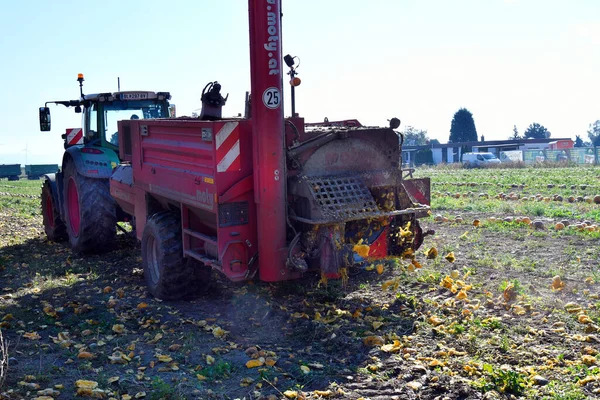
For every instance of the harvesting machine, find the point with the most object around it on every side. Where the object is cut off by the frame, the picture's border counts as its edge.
(262, 196)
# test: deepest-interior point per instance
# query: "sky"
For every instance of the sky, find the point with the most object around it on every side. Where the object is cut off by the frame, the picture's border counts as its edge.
(509, 62)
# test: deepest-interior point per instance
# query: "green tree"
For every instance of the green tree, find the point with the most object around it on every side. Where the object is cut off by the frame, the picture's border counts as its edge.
(578, 141)
(414, 136)
(515, 135)
(537, 131)
(594, 133)
(462, 128)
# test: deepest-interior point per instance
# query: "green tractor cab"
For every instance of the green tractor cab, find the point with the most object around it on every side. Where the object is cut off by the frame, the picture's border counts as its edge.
(76, 202)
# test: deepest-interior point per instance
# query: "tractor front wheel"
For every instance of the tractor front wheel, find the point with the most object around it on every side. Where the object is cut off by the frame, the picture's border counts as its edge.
(90, 212)
(169, 275)
(53, 224)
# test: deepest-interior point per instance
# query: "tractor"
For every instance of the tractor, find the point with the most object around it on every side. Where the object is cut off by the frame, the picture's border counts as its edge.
(76, 201)
(263, 196)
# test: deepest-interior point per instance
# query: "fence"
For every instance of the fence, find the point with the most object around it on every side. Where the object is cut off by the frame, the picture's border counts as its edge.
(576, 155)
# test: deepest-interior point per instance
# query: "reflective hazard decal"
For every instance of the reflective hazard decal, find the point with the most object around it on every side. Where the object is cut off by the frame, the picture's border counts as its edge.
(74, 136)
(227, 143)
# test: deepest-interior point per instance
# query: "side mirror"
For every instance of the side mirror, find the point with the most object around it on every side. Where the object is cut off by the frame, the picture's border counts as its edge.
(44, 119)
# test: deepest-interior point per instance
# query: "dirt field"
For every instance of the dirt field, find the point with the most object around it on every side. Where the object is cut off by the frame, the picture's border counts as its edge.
(506, 309)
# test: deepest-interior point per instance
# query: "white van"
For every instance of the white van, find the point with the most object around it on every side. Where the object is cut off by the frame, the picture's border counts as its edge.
(479, 159)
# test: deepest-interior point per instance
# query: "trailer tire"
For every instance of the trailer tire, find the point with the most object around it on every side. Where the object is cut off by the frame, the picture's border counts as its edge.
(90, 212)
(169, 276)
(202, 276)
(54, 226)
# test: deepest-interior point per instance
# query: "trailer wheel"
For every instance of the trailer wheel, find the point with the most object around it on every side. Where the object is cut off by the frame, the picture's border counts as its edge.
(54, 226)
(169, 275)
(90, 212)
(202, 276)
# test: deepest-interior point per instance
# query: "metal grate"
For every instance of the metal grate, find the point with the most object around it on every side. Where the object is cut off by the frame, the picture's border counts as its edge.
(342, 197)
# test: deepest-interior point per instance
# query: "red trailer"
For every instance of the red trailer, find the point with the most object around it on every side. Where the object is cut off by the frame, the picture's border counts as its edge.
(262, 195)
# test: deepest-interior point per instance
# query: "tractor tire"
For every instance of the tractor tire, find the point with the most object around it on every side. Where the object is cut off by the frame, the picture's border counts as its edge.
(169, 275)
(90, 212)
(55, 227)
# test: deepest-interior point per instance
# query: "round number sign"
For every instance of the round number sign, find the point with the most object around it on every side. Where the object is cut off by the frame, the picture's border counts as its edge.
(272, 98)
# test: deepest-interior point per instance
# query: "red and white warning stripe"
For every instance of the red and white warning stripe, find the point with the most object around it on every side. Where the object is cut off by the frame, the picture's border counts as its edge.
(74, 136)
(227, 142)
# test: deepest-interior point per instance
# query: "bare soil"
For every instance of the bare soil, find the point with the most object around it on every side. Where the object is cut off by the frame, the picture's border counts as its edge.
(326, 340)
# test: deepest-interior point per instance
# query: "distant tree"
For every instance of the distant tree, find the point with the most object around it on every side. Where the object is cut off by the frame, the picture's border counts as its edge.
(414, 136)
(515, 135)
(578, 141)
(594, 133)
(537, 131)
(114, 139)
(434, 142)
(462, 128)
(482, 138)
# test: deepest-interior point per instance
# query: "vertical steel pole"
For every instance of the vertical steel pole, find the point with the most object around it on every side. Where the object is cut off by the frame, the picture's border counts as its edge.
(293, 97)
(268, 138)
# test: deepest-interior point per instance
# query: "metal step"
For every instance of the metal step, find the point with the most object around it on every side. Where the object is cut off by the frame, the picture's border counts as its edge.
(211, 262)
(208, 239)
(208, 261)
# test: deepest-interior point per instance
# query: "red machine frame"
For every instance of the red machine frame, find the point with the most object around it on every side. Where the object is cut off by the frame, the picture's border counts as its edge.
(229, 178)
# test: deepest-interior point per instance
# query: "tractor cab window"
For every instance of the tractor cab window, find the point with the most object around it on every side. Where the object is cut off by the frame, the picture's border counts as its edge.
(92, 121)
(119, 111)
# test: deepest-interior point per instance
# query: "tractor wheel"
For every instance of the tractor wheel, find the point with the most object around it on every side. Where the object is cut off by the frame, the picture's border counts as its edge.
(90, 212)
(169, 275)
(54, 226)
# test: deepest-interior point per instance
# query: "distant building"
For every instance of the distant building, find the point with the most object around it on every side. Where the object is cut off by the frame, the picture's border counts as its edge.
(451, 152)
